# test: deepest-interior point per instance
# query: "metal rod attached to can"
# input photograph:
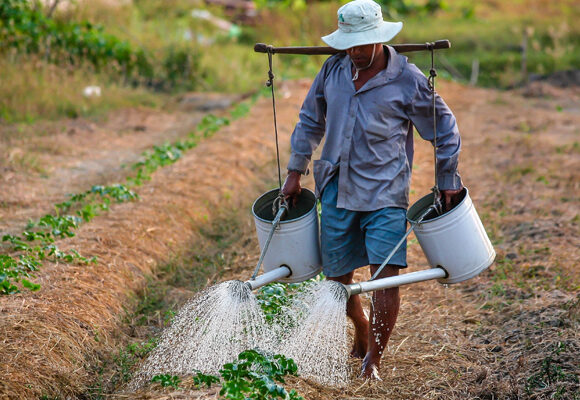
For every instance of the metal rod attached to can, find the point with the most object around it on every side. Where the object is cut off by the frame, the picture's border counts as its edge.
(413, 224)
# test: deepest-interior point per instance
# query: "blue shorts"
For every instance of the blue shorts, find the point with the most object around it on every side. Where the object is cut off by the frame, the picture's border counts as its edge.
(353, 239)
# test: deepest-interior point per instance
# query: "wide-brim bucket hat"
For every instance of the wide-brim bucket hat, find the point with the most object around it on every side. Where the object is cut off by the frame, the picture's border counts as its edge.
(361, 22)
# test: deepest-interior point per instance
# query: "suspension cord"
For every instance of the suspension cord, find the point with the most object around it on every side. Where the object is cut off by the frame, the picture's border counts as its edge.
(270, 84)
(432, 74)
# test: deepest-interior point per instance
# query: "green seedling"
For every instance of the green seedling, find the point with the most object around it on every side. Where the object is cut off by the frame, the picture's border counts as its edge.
(167, 380)
(240, 111)
(130, 356)
(211, 124)
(274, 297)
(200, 379)
(16, 270)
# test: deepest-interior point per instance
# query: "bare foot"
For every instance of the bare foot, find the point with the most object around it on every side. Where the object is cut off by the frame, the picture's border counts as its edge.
(370, 372)
(359, 350)
(370, 368)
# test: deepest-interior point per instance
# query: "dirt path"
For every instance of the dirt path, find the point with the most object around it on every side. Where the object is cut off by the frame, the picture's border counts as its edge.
(491, 337)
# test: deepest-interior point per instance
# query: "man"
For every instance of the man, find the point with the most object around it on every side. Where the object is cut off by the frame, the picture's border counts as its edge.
(365, 103)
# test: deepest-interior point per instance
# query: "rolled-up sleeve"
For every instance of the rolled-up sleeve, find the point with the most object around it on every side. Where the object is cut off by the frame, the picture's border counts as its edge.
(310, 128)
(448, 140)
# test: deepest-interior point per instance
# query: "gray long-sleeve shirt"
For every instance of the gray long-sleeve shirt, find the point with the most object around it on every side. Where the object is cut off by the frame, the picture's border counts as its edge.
(367, 133)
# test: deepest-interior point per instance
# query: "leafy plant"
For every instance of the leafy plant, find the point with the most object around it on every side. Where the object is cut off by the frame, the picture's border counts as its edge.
(255, 376)
(274, 297)
(211, 124)
(13, 271)
(200, 379)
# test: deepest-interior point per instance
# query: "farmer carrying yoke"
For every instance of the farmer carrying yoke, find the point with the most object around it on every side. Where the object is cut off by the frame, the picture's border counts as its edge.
(365, 104)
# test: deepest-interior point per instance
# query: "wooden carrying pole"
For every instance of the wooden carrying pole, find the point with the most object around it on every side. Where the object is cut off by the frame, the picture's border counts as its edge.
(400, 48)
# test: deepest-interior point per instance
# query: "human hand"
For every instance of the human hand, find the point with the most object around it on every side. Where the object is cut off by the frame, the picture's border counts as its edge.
(450, 198)
(292, 188)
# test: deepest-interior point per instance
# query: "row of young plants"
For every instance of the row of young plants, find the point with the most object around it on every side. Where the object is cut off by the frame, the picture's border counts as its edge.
(254, 375)
(36, 243)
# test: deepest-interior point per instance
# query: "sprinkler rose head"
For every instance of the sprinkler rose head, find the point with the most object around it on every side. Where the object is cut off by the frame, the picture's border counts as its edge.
(239, 290)
(341, 292)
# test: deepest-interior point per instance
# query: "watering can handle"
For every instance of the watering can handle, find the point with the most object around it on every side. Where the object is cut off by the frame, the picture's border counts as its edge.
(275, 223)
(313, 50)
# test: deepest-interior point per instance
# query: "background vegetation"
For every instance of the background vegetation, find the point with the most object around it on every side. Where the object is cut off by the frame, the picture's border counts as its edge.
(140, 51)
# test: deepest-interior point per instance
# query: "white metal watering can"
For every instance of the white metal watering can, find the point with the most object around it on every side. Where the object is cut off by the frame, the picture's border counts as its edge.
(455, 243)
(290, 240)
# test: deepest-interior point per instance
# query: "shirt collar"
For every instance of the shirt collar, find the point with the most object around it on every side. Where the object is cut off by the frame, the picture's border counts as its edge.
(394, 68)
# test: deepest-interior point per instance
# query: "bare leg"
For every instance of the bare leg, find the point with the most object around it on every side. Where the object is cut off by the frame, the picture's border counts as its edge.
(384, 312)
(355, 312)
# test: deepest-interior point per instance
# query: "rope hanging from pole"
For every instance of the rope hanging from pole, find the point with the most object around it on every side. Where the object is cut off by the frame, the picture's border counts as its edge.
(437, 204)
(270, 84)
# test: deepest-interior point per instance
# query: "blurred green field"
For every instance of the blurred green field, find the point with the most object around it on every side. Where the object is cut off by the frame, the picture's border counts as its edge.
(188, 53)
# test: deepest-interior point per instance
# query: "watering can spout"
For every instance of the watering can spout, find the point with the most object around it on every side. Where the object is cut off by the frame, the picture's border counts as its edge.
(269, 277)
(394, 281)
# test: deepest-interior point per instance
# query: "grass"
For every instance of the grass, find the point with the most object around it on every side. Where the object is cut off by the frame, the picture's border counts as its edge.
(28, 87)
(493, 34)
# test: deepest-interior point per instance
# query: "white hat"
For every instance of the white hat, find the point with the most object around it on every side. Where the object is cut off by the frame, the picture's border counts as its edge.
(361, 22)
